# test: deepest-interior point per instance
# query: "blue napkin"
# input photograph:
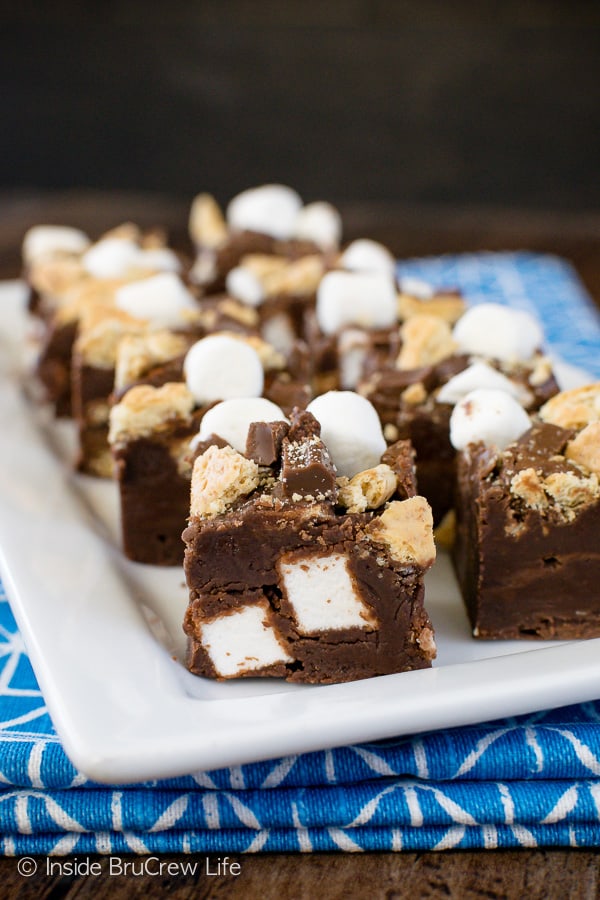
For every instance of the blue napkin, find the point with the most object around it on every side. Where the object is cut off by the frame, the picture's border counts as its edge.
(529, 781)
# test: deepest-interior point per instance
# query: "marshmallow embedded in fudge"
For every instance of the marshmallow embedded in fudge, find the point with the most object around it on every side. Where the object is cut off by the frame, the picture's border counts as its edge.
(367, 299)
(161, 299)
(499, 332)
(365, 255)
(231, 419)
(490, 416)
(479, 375)
(321, 223)
(45, 241)
(242, 640)
(323, 594)
(219, 367)
(350, 429)
(270, 209)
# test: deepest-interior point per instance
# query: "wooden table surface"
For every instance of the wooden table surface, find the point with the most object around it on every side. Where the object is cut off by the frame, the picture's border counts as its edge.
(531, 874)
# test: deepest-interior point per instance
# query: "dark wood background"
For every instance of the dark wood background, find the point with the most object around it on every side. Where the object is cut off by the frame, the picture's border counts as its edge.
(464, 102)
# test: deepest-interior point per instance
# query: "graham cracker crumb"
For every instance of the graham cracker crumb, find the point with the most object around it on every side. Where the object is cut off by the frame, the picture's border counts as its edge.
(369, 489)
(146, 409)
(448, 307)
(528, 486)
(137, 353)
(207, 224)
(573, 409)
(426, 340)
(220, 476)
(414, 394)
(571, 492)
(584, 449)
(406, 528)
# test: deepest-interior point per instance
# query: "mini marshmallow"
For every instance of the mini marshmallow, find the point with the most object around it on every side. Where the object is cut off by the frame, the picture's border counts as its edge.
(48, 240)
(496, 331)
(231, 419)
(278, 330)
(269, 209)
(491, 416)
(416, 287)
(365, 255)
(160, 259)
(367, 299)
(243, 284)
(350, 429)
(111, 257)
(220, 367)
(160, 299)
(477, 375)
(320, 223)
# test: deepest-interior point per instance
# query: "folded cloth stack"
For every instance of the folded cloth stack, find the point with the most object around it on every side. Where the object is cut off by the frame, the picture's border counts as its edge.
(530, 781)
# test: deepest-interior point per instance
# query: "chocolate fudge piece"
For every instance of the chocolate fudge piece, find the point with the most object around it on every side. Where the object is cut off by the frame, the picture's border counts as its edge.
(527, 554)
(297, 574)
(409, 399)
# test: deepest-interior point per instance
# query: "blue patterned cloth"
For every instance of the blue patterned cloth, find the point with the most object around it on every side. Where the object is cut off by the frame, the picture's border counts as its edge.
(523, 782)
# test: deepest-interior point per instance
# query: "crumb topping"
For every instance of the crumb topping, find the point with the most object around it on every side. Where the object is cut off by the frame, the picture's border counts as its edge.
(219, 478)
(448, 307)
(426, 340)
(575, 408)
(137, 353)
(146, 409)
(406, 528)
(367, 490)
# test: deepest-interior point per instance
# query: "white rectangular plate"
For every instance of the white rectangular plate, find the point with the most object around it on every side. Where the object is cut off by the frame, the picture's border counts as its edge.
(105, 640)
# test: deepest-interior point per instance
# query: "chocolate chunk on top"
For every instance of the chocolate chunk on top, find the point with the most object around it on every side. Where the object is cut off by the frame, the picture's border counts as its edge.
(307, 470)
(263, 444)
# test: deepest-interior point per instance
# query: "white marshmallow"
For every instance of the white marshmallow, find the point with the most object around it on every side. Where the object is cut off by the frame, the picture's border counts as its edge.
(111, 257)
(160, 259)
(496, 331)
(243, 284)
(415, 287)
(323, 594)
(367, 299)
(278, 330)
(242, 641)
(477, 375)
(365, 255)
(161, 299)
(219, 367)
(493, 417)
(353, 348)
(48, 240)
(350, 429)
(320, 223)
(231, 419)
(269, 209)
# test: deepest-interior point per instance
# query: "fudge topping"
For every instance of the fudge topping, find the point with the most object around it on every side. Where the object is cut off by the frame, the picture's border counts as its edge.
(307, 471)
(264, 441)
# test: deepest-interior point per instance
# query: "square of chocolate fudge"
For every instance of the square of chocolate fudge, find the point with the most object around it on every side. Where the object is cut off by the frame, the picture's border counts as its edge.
(527, 552)
(296, 573)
